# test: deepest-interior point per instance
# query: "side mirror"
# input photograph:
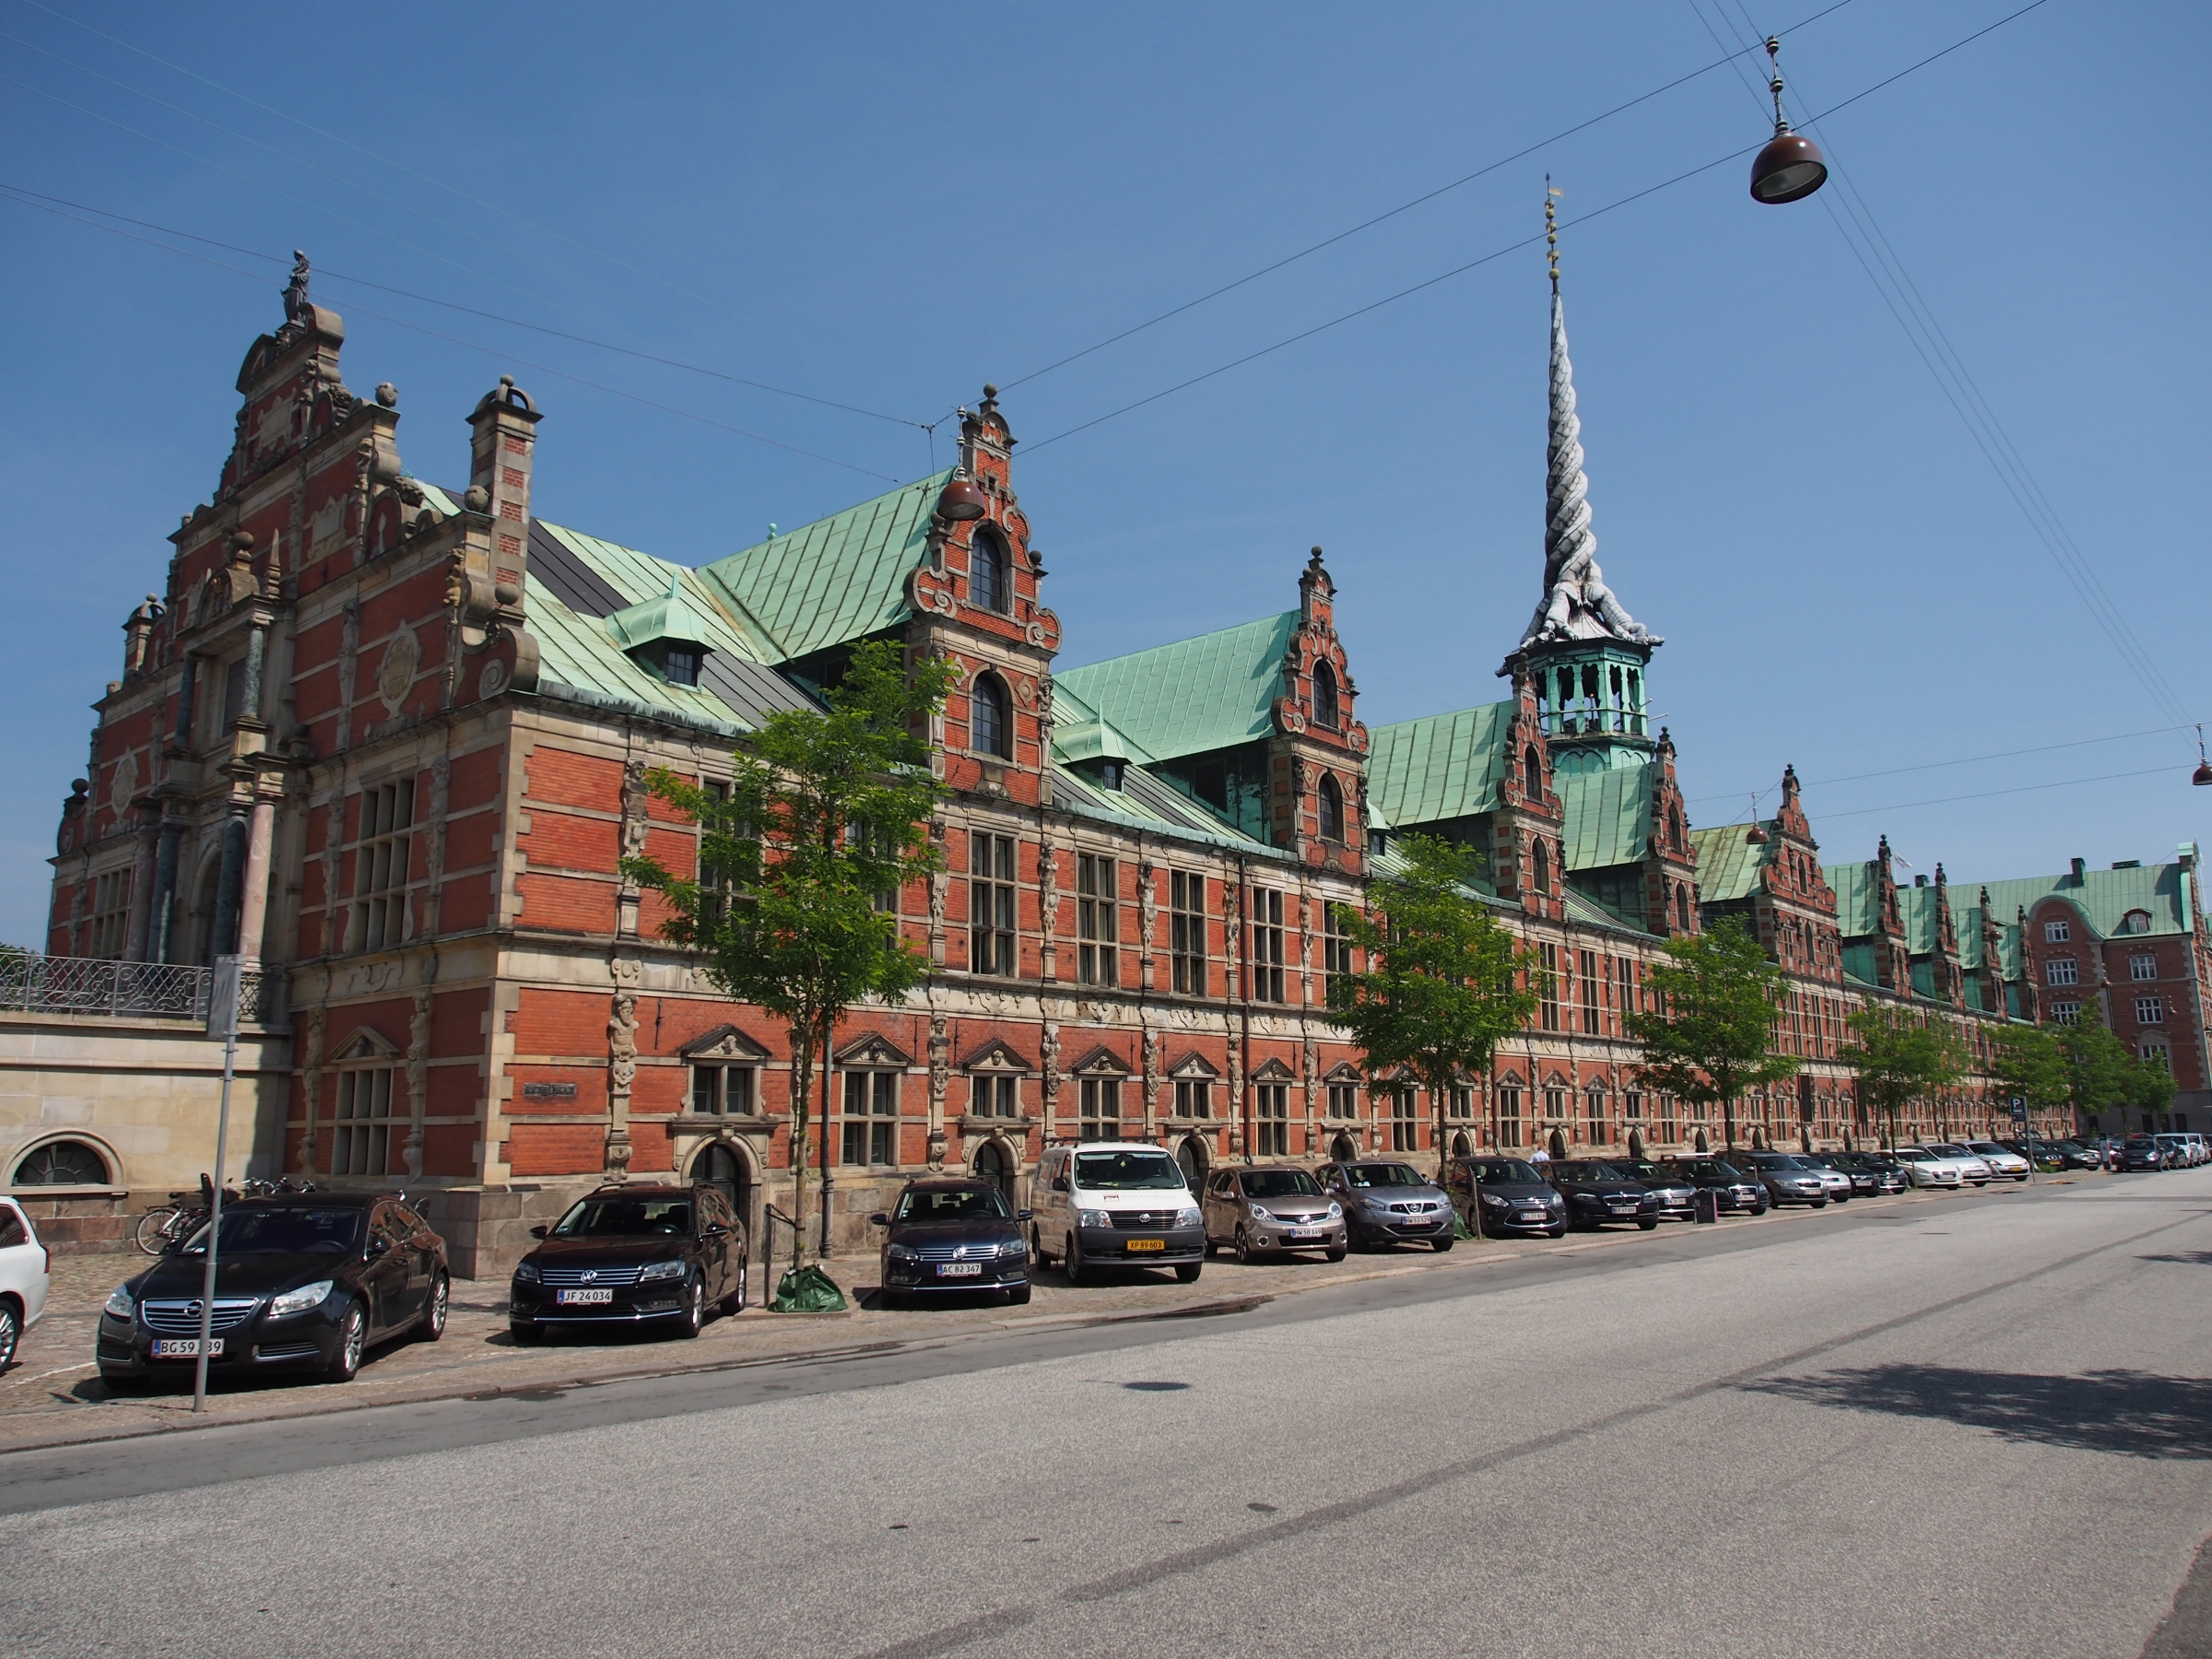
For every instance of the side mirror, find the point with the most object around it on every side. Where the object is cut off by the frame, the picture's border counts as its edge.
(1023, 1215)
(880, 1219)
(540, 1230)
(379, 1247)
(1059, 1183)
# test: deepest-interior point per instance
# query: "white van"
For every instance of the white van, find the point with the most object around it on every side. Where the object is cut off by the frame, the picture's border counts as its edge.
(1119, 1202)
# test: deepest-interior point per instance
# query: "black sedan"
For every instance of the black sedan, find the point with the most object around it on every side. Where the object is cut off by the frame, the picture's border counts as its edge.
(1735, 1191)
(1677, 1196)
(2141, 1152)
(301, 1283)
(631, 1256)
(1597, 1193)
(951, 1234)
(1504, 1197)
(1872, 1175)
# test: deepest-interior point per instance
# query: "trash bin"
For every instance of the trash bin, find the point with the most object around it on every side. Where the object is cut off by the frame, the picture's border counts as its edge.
(1706, 1205)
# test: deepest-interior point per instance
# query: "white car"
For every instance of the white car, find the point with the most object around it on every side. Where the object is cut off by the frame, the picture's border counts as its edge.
(2000, 1161)
(1927, 1168)
(23, 1267)
(1971, 1164)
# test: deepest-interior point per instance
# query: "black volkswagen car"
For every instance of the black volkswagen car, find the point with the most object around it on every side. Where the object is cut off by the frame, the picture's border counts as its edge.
(1514, 1198)
(632, 1256)
(951, 1234)
(1871, 1174)
(1734, 1190)
(301, 1283)
(1597, 1193)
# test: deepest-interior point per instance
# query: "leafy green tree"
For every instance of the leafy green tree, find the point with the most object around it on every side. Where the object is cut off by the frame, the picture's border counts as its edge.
(2149, 1087)
(2030, 1065)
(825, 812)
(1711, 1035)
(2098, 1067)
(1442, 988)
(1901, 1056)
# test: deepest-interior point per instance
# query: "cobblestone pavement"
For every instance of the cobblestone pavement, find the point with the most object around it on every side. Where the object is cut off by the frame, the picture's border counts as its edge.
(51, 1395)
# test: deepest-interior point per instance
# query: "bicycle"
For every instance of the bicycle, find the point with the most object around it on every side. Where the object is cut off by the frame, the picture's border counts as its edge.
(167, 1225)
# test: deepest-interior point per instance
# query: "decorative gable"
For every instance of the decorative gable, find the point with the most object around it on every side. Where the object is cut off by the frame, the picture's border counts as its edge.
(1193, 1066)
(996, 1056)
(1273, 1071)
(725, 1043)
(1099, 1062)
(872, 1053)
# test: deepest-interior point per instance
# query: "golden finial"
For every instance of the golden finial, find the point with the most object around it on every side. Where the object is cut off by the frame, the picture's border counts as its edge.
(1551, 230)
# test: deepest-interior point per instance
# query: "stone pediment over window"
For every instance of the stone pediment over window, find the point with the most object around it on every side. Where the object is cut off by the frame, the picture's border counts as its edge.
(1556, 1081)
(366, 1044)
(1344, 1071)
(1100, 1062)
(872, 1053)
(1274, 1071)
(1193, 1065)
(996, 1055)
(723, 1043)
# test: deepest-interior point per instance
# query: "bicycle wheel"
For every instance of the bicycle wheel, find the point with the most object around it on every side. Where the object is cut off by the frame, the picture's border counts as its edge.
(154, 1229)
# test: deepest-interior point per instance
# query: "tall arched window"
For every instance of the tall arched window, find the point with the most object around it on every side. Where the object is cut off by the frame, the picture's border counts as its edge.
(1540, 868)
(990, 717)
(1332, 810)
(1682, 908)
(1531, 773)
(990, 581)
(1674, 828)
(1324, 696)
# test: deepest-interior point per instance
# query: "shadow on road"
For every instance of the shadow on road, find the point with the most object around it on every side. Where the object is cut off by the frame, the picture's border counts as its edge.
(2187, 1258)
(2136, 1414)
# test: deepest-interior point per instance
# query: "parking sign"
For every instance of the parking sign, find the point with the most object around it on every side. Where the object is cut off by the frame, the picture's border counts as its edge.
(2019, 1109)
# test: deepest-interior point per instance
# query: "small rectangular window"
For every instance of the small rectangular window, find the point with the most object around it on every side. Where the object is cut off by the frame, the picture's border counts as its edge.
(1335, 943)
(680, 664)
(1405, 1120)
(871, 1117)
(1555, 1104)
(1601, 1127)
(2155, 1055)
(1344, 1100)
(1509, 1117)
(382, 847)
(993, 1095)
(2057, 932)
(110, 914)
(1101, 1104)
(2151, 1010)
(1459, 1105)
(1186, 931)
(2062, 970)
(360, 1141)
(1193, 1098)
(1273, 1130)
(2143, 967)
(1265, 954)
(1098, 920)
(991, 936)
(1547, 989)
(2066, 1013)
(722, 1090)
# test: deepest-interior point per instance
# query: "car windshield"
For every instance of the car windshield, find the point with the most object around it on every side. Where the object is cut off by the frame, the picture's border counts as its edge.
(1120, 1172)
(1507, 1171)
(1948, 1150)
(1775, 1160)
(1280, 1183)
(286, 1229)
(954, 1203)
(1382, 1175)
(1583, 1169)
(626, 1219)
(1642, 1171)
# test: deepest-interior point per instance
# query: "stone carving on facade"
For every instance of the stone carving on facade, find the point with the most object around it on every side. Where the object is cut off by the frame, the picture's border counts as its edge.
(1048, 906)
(1154, 1048)
(635, 823)
(122, 784)
(1048, 1067)
(349, 653)
(395, 676)
(622, 1066)
(310, 1081)
(940, 889)
(441, 781)
(418, 1075)
(940, 1080)
(1577, 604)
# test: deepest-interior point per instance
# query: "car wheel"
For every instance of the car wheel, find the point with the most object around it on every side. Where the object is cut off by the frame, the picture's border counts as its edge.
(1649, 1224)
(1244, 1251)
(1037, 1250)
(440, 1306)
(1442, 1244)
(695, 1311)
(1818, 1203)
(353, 1336)
(1556, 1232)
(11, 1331)
(1017, 1297)
(735, 1301)
(1336, 1253)
(1758, 1209)
(1071, 1261)
(1188, 1271)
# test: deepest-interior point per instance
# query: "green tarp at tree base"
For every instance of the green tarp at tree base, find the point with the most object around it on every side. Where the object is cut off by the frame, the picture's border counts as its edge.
(807, 1290)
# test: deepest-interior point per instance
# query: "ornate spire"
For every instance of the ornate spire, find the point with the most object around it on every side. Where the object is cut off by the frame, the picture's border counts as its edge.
(1577, 604)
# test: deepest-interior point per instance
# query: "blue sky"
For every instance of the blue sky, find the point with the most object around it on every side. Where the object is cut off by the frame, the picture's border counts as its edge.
(887, 206)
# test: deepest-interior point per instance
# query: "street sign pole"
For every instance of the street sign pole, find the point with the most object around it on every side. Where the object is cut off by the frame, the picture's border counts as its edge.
(2019, 1116)
(222, 1019)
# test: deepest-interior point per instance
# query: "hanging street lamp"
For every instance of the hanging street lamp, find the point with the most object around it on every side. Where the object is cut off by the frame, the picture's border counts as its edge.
(2202, 774)
(1791, 167)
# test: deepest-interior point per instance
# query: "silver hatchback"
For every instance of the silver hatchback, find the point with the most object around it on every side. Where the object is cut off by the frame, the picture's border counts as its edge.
(1272, 1208)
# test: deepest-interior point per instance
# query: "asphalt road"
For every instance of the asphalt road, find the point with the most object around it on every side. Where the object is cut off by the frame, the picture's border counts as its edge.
(1979, 1425)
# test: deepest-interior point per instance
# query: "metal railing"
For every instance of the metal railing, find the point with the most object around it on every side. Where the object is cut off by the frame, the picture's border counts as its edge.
(34, 983)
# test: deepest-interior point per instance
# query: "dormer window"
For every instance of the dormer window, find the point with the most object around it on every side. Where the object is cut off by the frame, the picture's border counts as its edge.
(680, 666)
(990, 581)
(1324, 696)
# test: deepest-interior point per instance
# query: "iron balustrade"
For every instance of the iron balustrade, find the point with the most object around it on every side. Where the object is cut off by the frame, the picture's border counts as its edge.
(33, 983)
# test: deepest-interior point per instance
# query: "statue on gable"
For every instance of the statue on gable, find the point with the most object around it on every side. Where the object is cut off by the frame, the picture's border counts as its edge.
(296, 307)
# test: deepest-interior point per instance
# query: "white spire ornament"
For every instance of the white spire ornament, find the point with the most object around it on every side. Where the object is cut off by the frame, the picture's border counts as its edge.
(1577, 604)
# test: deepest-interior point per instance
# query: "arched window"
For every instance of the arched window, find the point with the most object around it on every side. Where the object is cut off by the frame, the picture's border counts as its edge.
(1531, 773)
(990, 582)
(1324, 696)
(990, 717)
(1540, 868)
(1332, 810)
(1682, 908)
(62, 1163)
(2136, 922)
(1674, 828)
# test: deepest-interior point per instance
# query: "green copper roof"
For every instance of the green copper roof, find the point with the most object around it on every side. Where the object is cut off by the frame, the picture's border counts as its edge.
(839, 579)
(1192, 697)
(1144, 803)
(1857, 911)
(2103, 897)
(1607, 815)
(671, 615)
(1440, 767)
(1916, 911)
(574, 653)
(1729, 867)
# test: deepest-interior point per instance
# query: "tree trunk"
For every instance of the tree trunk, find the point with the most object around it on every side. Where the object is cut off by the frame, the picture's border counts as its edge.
(802, 1083)
(829, 1186)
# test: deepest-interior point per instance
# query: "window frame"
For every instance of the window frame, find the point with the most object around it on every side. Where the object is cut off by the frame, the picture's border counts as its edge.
(719, 1093)
(383, 840)
(991, 704)
(1263, 945)
(868, 1127)
(1187, 954)
(993, 904)
(1098, 920)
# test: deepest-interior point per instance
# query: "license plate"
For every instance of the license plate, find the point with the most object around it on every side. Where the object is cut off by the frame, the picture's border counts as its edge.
(1532, 1215)
(1138, 1244)
(570, 1299)
(960, 1269)
(1305, 1232)
(185, 1347)
(1624, 1209)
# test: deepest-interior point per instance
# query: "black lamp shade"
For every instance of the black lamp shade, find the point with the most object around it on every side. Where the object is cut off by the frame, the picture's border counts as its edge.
(962, 499)
(2202, 774)
(1788, 170)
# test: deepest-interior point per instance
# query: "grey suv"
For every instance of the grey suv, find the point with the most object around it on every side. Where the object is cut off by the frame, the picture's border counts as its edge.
(1272, 1208)
(1786, 1180)
(1386, 1202)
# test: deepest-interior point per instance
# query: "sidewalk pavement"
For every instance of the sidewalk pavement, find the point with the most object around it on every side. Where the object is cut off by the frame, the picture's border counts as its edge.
(52, 1396)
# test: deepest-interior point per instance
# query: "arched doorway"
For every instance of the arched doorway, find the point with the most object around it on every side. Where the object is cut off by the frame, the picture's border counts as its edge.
(1636, 1144)
(993, 1165)
(1557, 1144)
(719, 1164)
(1461, 1146)
(1191, 1153)
(1342, 1149)
(1704, 1142)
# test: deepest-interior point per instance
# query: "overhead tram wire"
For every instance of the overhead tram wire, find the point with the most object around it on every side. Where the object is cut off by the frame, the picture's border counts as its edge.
(1736, 155)
(323, 271)
(1426, 196)
(1877, 257)
(1893, 771)
(1985, 794)
(257, 277)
